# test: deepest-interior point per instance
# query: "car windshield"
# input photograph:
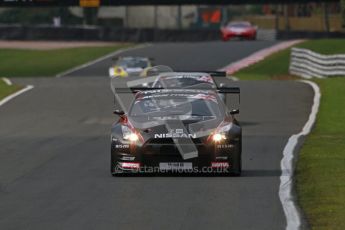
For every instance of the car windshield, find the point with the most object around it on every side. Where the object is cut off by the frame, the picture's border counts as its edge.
(161, 105)
(180, 82)
(239, 25)
(132, 63)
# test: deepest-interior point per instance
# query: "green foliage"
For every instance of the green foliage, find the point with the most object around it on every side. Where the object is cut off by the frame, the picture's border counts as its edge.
(342, 5)
(28, 16)
(32, 63)
(5, 89)
(320, 169)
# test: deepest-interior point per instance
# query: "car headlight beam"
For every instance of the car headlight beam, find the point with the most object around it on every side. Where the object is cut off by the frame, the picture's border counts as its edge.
(129, 134)
(217, 137)
(133, 137)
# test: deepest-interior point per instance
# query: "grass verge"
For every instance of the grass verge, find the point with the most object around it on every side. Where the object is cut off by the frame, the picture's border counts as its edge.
(6, 90)
(32, 63)
(320, 173)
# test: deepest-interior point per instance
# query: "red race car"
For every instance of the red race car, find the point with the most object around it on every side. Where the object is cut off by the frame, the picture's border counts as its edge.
(243, 30)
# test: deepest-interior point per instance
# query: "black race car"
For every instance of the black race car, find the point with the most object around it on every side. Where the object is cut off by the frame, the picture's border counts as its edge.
(176, 130)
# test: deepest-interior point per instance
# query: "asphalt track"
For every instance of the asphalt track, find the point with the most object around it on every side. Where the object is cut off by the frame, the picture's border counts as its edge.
(185, 56)
(55, 150)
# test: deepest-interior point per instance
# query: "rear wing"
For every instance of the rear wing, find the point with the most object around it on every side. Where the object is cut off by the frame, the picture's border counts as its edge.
(212, 73)
(229, 90)
(223, 90)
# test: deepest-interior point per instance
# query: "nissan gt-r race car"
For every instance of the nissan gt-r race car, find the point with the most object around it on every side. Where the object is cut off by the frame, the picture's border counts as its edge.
(240, 30)
(176, 131)
(129, 66)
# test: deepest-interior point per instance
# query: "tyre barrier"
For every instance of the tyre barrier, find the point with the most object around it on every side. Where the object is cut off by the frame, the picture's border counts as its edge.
(308, 64)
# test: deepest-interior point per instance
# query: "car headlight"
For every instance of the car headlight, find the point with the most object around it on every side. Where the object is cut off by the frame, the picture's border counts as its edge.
(217, 137)
(118, 70)
(133, 137)
(129, 135)
(111, 72)
(220, 134)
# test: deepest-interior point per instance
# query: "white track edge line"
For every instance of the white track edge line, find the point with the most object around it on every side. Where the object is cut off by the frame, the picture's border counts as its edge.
(16, 94)
(233, 78)
(268, 51)
(261, 54)
(117, 52)
(7, 81)
(292, 214)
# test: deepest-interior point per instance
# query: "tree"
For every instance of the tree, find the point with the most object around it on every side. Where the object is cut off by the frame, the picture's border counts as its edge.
(90, 15)
(326, 16)
(342, 7)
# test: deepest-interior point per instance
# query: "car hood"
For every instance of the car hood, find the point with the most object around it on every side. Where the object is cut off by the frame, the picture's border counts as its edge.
(173, 127)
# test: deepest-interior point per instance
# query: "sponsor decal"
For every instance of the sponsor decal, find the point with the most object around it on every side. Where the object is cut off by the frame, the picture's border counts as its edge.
(180, 117)
(205, 97)
(224, 146)
(204, 78)
(175, 135)
(89, 3)
(220, 165)
(176, 166)
(178, 133)
(122, 146)
(134, 70)
(130, 165)
(171, 92)
(222, 158)
(126, 158)
(207, 79)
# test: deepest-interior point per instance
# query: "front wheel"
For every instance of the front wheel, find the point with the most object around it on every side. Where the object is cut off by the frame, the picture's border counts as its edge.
(113, 164)
(238, 170)
(237, 163)
(114, 169)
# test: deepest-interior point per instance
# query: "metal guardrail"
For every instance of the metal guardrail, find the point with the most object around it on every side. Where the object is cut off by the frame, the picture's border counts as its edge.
(307, 64)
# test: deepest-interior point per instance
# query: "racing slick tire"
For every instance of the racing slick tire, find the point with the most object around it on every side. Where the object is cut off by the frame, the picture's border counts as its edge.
(237, 163)
(113, 164)
(238, 167)
(114, 170)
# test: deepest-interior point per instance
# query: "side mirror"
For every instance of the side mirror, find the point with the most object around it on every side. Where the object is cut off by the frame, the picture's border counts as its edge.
(119, 112)
(234, 111)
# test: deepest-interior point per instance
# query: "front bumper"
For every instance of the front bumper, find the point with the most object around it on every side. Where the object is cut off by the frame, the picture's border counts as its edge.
(153, 158)
(229, 35)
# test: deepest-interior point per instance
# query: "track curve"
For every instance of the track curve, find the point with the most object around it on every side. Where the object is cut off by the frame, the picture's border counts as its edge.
(55, 155)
